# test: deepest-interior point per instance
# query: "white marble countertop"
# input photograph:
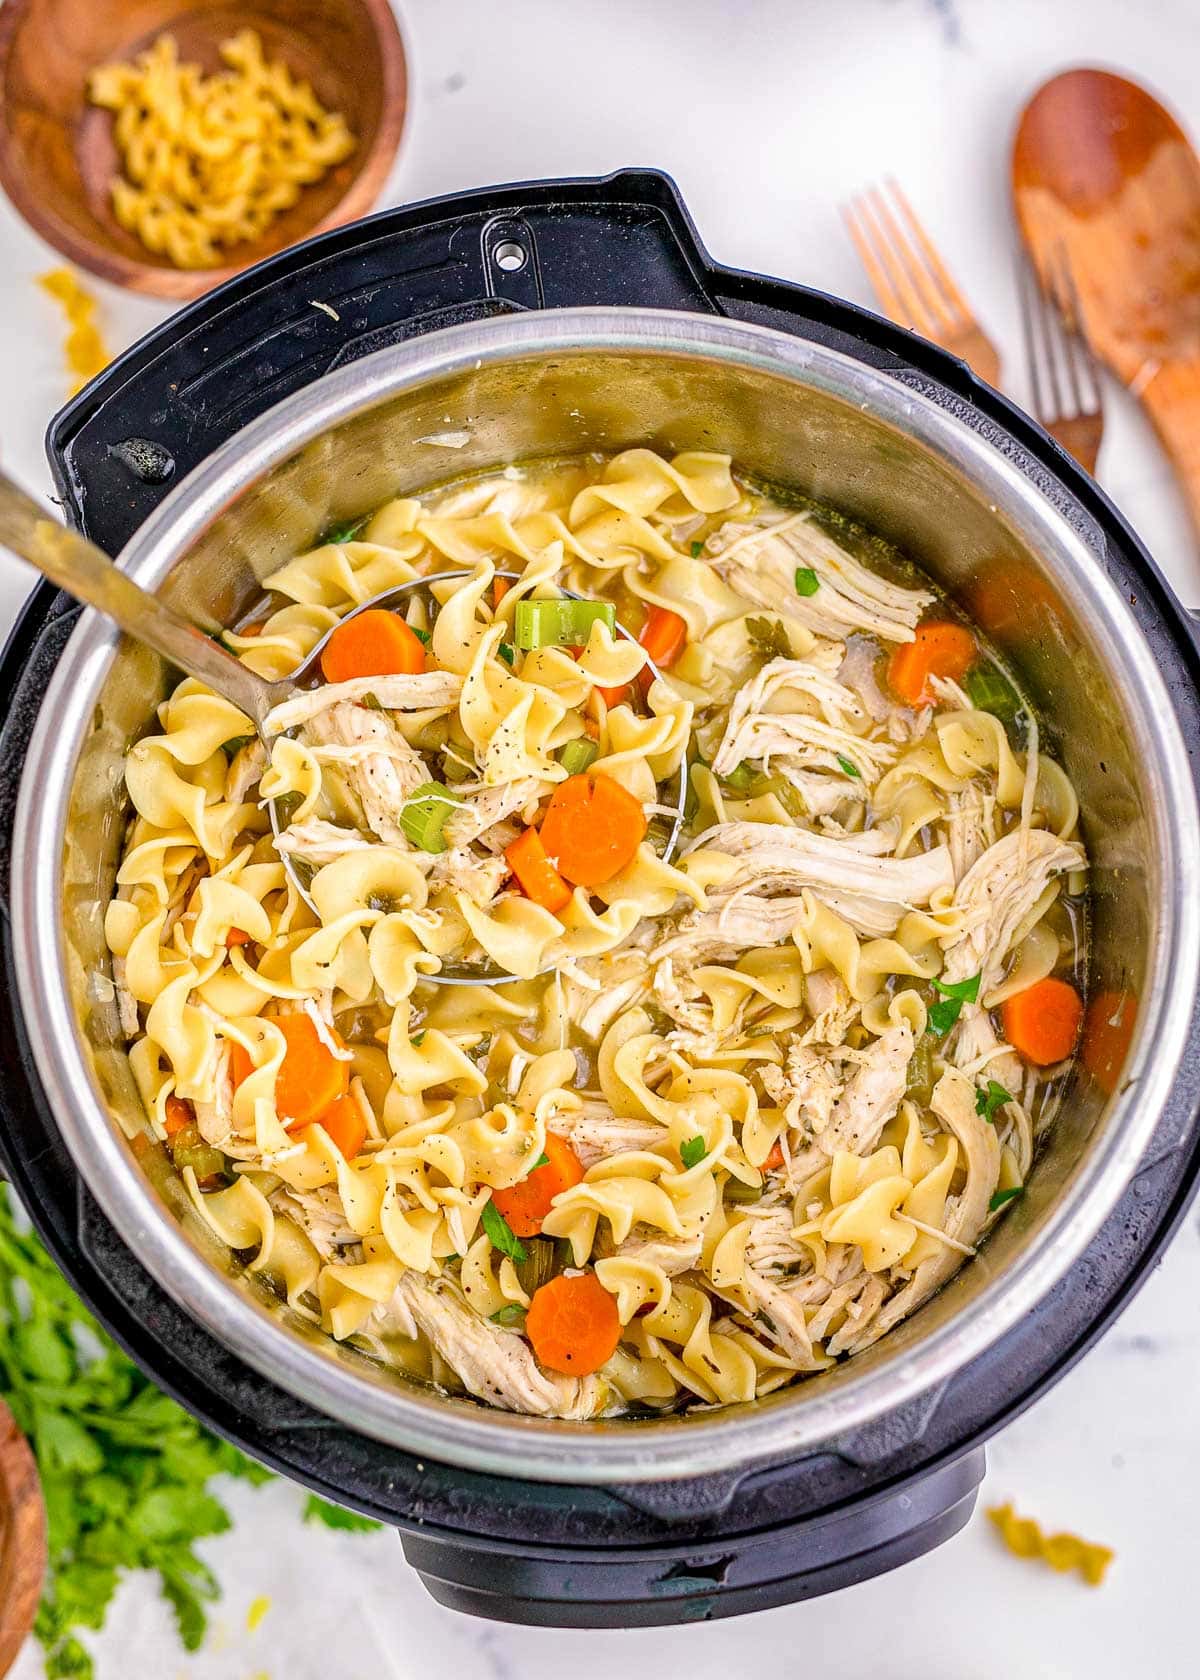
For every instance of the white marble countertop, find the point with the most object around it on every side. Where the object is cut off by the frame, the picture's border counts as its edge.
(767, 113)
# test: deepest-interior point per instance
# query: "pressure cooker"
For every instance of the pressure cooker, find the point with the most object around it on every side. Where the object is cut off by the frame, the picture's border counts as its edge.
(551, 319)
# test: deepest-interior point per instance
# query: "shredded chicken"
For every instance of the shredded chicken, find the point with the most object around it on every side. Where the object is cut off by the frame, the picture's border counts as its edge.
(760, 561)
(425, 691)
(595, 1132)
(245, 771)
(996, 895)
(820, 728)
(492, 1363)
(673, 1255)
(375, 759)
(320, 842)
(806, 1088)
(214, 1119)
(480, 878)
(872, 1095)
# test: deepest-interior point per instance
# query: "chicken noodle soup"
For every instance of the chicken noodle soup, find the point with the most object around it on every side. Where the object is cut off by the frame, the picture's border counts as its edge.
(754, 1095)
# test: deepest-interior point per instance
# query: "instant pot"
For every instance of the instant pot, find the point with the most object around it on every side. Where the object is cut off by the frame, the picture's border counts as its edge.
(549, 319)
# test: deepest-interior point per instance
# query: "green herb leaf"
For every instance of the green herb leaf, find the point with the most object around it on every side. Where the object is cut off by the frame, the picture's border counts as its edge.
(346, 532)
(506, 652)
(697, 550)
(125, 1473)
(423, 637)
(768, 638)
(942, 1016)
(807, 581)
(511, 1315)
(543, 1160)
(966, 991)
(418, 1038)
(692, 1151)
(987, 1102)
(318, 1510)
(500, 1232)
(235, 743)
(1003, 1197)
(850, 769)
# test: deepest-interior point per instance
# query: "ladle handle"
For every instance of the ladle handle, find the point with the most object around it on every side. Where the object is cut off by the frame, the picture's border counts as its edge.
(86, 572)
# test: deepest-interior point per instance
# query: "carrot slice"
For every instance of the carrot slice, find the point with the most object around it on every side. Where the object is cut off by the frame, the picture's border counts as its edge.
(592, 828)
(664, 637)
(573, 1324)
(941, 649)
(1108, 1024)
(500, 588)
(536, 875)
(310, 1078)
(345, 1124)
(236, 936)
(372, 644)
(1043, 1021)
(526, 1204)
(774, 1159)
(178, 1116)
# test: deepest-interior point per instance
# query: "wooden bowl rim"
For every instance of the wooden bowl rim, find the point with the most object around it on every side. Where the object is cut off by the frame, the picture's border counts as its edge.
(180, 284)
(25, 1516)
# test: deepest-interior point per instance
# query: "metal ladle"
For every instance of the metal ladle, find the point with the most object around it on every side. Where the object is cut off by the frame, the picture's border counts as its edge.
(72, 563)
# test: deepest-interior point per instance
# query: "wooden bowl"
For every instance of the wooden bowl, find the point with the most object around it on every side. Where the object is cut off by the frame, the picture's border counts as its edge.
(22, 1540)
(57, 152)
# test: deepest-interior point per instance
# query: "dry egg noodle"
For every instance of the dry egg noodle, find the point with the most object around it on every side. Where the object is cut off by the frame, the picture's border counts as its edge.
(209, 161)
(85, 351)
(743, 1110)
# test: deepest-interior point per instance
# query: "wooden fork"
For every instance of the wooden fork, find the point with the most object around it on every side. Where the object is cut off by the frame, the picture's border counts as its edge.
(1063, 377)
(912, 282)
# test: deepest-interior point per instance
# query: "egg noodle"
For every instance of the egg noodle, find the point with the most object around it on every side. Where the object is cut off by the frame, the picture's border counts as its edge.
(209, 161)
(746, 1106)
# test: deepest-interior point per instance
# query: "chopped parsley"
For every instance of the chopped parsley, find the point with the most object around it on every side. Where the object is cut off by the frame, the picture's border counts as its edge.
(807, 581)
(987, 1102)
(1003, 1197)
(697, 550)
(955, 993)
(543, 1160)
(511, 1316)
(234, 745)
(506, 652)
(418, 1038)
(124, 1471)
(692, 1151)
(768, 638)
(422, 636)
(500, 1232)
(850, 769)
(345, 532)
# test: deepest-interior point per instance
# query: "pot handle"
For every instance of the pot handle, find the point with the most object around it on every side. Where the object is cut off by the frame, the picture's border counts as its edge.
(624, 240)
(167, 403)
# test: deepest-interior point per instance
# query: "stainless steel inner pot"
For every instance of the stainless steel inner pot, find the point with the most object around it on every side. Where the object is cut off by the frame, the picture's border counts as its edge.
(563, 382)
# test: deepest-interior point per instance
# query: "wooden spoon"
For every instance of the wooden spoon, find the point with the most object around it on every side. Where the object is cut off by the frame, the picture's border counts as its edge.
(1103, 175)
(22, 1540)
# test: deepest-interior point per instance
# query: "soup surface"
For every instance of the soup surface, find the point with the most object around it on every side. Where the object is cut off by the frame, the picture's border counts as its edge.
(792, 900)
